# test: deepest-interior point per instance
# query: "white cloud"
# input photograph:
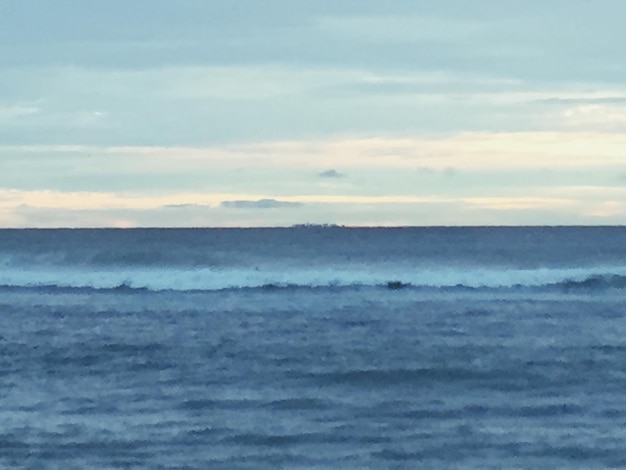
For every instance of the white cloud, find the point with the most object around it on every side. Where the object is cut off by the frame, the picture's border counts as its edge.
(283, 168)
(465, 150)
(599, 117)
(608, 209)
(521, 202)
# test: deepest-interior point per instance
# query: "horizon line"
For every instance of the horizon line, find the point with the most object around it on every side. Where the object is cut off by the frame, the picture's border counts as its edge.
(317, 226)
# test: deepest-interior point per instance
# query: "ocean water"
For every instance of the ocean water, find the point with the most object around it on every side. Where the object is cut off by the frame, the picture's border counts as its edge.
(313, 347)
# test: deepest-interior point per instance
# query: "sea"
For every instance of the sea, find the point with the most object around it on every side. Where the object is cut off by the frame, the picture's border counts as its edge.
(313, 347)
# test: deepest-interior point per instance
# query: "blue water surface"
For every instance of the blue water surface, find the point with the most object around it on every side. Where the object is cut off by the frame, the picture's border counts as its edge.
(336, 375)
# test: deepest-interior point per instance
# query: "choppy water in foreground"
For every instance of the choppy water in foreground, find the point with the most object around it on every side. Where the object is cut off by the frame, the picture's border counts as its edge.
(313, 348)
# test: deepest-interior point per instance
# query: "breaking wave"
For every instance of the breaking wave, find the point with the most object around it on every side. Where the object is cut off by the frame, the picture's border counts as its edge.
(171, 279)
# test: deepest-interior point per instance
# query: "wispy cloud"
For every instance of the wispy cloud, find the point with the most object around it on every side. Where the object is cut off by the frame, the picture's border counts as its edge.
(260, 204)
(75, 200)
(516, 203)
(17, 111)
(565, 204)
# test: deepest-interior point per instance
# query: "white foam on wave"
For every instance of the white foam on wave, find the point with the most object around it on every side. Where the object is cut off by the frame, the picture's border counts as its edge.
(215, 279)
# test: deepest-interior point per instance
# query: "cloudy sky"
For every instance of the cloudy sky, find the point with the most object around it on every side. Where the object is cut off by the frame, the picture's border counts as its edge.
(276, 112)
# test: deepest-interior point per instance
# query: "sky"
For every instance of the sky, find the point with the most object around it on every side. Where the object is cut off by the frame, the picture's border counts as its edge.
(221, 113)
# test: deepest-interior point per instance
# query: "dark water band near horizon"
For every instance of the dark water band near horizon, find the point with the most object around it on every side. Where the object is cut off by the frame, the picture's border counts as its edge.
(313, 347)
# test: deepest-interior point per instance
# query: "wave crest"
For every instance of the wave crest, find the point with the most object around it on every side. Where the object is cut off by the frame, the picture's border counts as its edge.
(595, 282)
(278, 278)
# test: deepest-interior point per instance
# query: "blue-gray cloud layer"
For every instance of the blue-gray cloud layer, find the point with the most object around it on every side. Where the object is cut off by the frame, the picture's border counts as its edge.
(531, 39)
(199, 72)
